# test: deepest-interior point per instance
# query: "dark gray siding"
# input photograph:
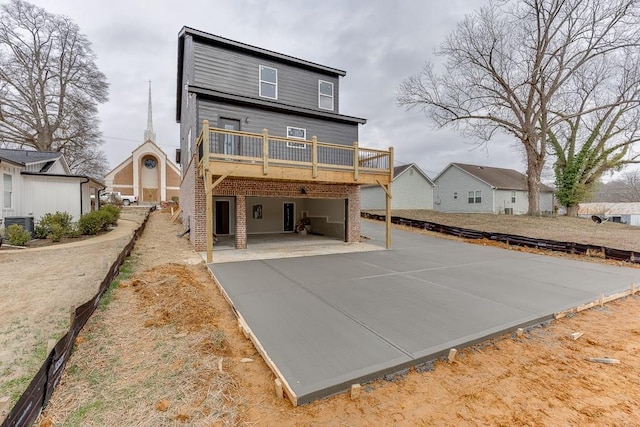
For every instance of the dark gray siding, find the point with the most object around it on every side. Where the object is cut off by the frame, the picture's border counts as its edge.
(254, 120)
(188, 111)
(233, 72)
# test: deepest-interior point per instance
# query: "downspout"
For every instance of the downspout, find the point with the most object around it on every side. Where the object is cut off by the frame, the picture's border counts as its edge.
(82, 182)
(98, 200)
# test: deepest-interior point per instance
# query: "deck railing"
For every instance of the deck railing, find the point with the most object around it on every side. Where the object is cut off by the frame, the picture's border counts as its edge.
(221, 145)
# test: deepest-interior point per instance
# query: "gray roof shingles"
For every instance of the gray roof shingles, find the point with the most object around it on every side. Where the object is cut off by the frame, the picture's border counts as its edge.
(500, 178)
(24, 157)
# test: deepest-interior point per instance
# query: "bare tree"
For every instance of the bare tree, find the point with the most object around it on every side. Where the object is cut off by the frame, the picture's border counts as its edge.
(50, 85)
(87, 159)
(601, 126)
(507, 63)
(624, 189)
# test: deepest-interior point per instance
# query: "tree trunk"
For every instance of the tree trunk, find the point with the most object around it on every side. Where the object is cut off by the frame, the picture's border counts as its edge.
(534, 171)
(572, 211)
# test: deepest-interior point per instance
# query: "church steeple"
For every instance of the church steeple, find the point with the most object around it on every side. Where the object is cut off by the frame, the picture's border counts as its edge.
(149, 134)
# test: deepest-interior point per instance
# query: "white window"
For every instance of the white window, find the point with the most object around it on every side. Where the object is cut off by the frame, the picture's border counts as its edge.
(268, 82)
(298, 133)
(513, 197)
(475, 197)
(8, 190)
(325, 95)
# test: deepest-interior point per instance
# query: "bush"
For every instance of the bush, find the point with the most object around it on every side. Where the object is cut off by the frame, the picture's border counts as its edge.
(54, 226)
(17, 235)
(112, 212)
(91, 223)
(56, 232)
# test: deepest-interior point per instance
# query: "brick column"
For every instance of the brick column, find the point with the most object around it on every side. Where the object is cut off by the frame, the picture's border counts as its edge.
(241, 222)
(198, 224)
(353, 233)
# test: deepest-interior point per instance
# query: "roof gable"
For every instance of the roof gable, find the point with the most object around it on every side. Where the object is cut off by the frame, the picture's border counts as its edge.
(399, 170)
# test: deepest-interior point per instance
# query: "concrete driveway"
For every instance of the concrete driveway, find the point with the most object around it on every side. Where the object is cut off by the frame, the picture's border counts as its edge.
(328, 321)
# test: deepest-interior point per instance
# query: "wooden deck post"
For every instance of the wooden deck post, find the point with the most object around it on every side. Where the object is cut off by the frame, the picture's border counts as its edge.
(265, 151)
(388, 201)
(314, 156)
(205, 144)
(356, 160)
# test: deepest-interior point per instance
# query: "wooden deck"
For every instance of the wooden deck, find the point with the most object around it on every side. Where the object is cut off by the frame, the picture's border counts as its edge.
(223, 154)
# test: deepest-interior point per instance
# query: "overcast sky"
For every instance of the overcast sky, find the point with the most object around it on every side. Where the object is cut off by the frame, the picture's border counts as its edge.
(377, 42)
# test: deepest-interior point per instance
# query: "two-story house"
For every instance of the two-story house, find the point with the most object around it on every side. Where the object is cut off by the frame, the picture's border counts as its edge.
(263, 144)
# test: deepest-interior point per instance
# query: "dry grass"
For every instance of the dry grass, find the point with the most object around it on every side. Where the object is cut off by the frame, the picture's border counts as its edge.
(154, 357)
(579, 230)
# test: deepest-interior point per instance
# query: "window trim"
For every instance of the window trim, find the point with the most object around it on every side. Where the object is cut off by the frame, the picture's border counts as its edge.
(474, 197)
(7, 190)
(297, 145)
(320, 95)
(260, 81)
(513, 197)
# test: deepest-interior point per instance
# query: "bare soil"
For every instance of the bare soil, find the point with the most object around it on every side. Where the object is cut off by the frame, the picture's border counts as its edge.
(167, 351)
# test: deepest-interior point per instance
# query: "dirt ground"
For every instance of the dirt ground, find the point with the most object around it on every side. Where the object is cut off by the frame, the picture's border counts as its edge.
(562, 228)
(167, 351)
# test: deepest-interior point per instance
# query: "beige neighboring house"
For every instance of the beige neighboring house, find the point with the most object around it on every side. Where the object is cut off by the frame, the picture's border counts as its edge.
(147, 174)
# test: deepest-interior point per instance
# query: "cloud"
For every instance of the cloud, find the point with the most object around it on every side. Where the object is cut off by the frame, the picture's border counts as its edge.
(377, 42)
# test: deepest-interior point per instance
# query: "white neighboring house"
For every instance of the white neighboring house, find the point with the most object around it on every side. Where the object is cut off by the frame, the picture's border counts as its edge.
(463, 188)
(625, 213)
(411, 188)
(38, 182)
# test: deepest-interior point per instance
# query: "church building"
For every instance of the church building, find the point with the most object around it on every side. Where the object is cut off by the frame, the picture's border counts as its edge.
(147, 174)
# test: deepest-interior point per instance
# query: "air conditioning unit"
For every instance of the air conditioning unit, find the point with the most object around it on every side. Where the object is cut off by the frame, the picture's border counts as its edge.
(508, 211)
(25, 221)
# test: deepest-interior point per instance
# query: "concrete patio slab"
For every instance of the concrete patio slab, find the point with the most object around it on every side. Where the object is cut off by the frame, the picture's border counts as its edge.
(328, 321)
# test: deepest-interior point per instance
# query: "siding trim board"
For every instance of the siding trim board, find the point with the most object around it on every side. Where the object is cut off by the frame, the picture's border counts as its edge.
(209, 38)
(272, 106)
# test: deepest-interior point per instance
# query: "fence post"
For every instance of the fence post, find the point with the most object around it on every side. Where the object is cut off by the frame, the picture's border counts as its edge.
(314, 156)
(356, 160)
(265, 152)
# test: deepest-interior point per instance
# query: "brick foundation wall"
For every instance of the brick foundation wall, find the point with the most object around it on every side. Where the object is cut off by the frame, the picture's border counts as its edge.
(241, 222)
(242, 188)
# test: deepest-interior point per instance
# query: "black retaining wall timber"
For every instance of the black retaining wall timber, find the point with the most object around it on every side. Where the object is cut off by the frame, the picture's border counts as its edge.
(511, 239)
(39, 391)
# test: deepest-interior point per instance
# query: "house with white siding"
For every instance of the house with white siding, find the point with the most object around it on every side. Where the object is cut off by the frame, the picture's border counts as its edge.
(411, 189)
(463, 188)
(38, 182)
(625, 213)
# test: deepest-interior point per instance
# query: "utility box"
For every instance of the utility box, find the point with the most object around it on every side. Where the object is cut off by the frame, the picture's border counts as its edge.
(25, 221)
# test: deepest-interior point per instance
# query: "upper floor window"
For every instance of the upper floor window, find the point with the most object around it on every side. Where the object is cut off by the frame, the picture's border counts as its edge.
(8, 189)
(325, 95)
(475, 197)
(298, 133)
(268, 82)
(513, 197)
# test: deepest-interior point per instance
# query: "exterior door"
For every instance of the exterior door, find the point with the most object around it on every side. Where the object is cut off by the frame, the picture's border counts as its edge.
(222, 217)
(230, 143)
(288, 217)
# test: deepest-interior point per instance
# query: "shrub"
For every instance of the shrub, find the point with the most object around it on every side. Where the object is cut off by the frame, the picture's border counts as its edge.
(112, 212)
(54, 226)
(91, 223)
(17, 235)
(56, 232)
